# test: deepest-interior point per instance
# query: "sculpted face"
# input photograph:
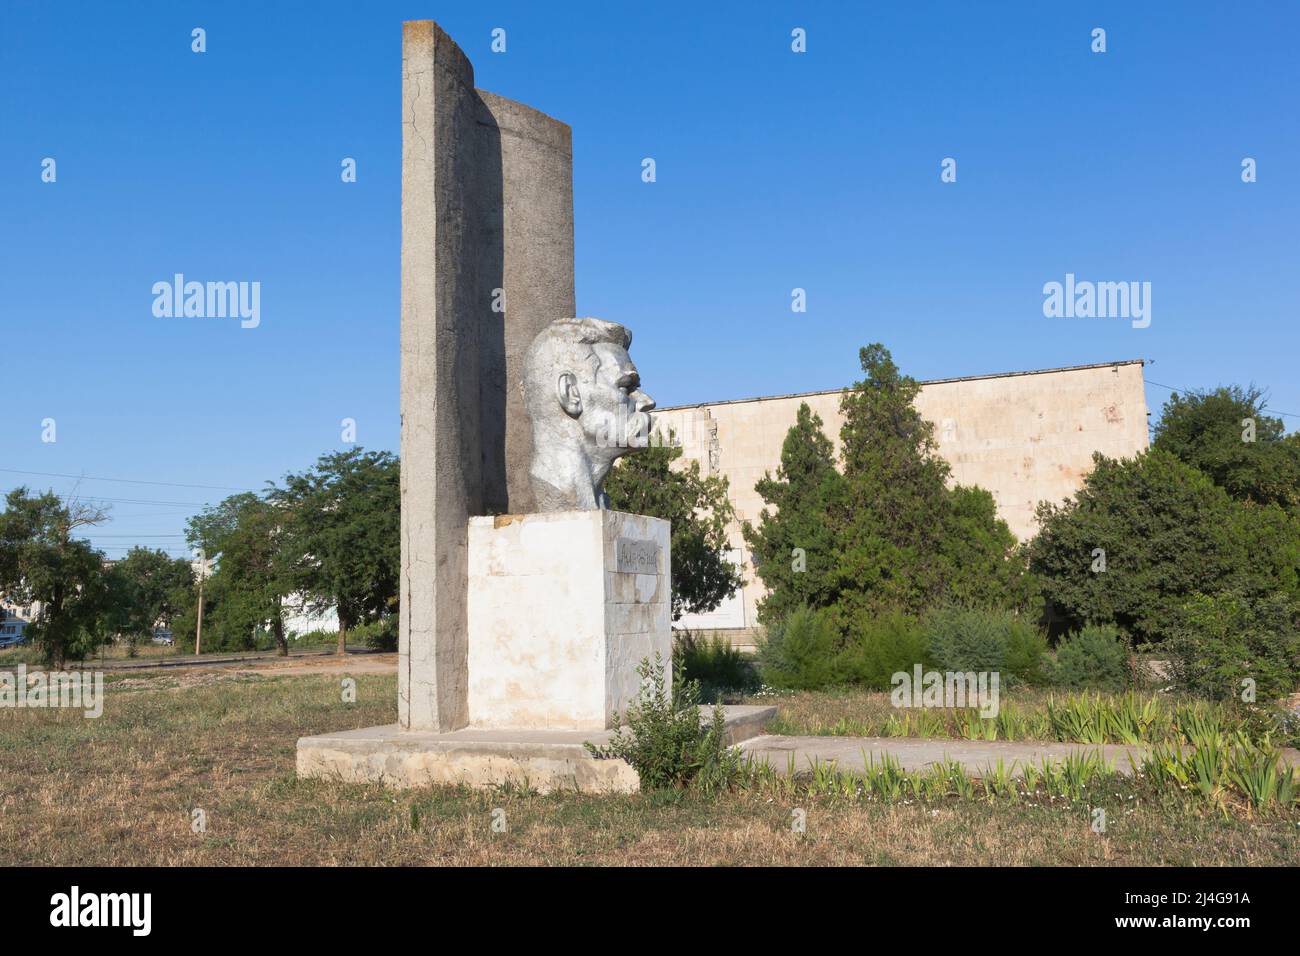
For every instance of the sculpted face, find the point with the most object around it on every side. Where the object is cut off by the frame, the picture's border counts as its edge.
(587, 408)
(607, 400)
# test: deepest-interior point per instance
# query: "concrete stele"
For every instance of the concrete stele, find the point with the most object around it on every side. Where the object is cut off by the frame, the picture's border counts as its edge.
(487, 224)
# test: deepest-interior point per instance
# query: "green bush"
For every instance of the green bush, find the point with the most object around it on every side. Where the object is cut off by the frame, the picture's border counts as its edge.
(1096, 657)
(380, 634)
(1217, 642)
(806, 652)
(665, 741)
(713, 663)
(316, 638)
(969, 639)
(881, 646)
(799, 651)
(1027, 657)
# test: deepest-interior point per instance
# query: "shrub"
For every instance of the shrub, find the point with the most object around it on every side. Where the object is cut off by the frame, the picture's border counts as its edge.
(1026, 659)
(799, 651)
(665, 741)
(713, 663)
(380, 634)
(881, 646)
(968, 639)
(1096, 656)
(316, 638)
(1219, 641)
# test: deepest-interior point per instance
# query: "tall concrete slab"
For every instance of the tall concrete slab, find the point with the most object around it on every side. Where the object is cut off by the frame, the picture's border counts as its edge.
(487, 224)
(441, 463)
(533, 156)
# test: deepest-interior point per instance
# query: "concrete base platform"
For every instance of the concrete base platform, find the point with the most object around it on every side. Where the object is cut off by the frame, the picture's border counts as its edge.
(543, 760)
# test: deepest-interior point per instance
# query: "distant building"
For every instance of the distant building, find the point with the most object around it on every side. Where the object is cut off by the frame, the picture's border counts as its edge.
(298, 620)
(14, 620)
(1026, 437)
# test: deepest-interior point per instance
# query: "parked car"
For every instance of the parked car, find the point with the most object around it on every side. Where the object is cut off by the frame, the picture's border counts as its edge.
(163, 636)
(13, 640)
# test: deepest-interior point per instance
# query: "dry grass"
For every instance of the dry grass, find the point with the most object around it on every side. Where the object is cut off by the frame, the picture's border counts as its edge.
(29, 654)
(120, 790)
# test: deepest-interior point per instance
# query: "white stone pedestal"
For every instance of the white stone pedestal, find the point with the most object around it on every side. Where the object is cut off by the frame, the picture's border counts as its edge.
(562, 609)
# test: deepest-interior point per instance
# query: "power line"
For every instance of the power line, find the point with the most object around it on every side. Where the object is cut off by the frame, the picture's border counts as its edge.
(129, 501)
(128, 481)
(170, 552)
(1175, 388)
(128, 547)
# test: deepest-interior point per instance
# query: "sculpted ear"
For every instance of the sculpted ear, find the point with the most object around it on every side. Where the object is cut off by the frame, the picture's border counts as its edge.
(566, 389)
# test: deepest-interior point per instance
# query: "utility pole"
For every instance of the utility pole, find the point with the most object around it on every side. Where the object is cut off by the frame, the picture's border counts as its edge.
(198, 631)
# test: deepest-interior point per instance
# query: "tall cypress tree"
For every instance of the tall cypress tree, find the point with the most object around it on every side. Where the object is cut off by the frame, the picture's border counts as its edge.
(794, 549)
(898, 503)
(884, 531)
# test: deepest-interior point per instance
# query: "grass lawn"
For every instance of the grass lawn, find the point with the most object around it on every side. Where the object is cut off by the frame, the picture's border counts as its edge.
(119, 652)
(120, 790)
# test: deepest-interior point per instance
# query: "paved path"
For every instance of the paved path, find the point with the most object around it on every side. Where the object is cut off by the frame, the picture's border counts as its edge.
(917, 753)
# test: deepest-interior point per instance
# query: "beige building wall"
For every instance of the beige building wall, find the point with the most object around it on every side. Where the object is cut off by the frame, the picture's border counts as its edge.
(1024, 436)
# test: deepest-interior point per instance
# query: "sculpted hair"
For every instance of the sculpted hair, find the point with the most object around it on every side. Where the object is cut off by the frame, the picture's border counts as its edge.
(565, 345)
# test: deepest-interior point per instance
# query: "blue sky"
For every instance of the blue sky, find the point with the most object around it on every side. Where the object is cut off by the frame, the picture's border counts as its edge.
(775, 170)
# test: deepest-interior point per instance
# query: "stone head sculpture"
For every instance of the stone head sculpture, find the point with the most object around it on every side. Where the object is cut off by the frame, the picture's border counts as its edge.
(584, 398)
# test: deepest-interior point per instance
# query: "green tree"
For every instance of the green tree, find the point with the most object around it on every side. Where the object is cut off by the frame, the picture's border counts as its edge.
(148, 585)
(244, 533)
(897, 499)
(42, 563)
(1163, 531)
(883, 532)
(342, 522)
(979, 560)
(1226, 434)
(646, 483)
(794, 548)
